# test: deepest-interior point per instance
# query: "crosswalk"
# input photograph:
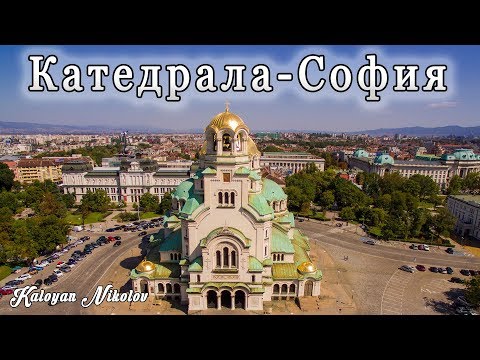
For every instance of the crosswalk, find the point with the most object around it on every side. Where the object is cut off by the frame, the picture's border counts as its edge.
(392, 299)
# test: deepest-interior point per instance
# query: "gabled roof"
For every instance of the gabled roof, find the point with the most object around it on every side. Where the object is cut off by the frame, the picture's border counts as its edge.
(254, 264)
(196, 265)
(280, 242)
(242, 170)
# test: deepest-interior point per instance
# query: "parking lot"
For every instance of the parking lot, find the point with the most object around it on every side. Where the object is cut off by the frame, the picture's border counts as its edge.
(84, 276)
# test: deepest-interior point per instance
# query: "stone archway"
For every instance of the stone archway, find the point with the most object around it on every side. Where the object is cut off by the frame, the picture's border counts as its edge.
(144, 286)
(240, 300)
(212, 299)
(226, 299)
(308, 288)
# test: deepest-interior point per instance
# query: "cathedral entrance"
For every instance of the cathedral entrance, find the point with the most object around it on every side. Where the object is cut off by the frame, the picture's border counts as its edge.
(240, 300)
(308, 288)
(211, 299)
(226, 299)
(144, 286)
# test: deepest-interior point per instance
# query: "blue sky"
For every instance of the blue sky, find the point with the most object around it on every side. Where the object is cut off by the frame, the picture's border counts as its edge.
(282, 110)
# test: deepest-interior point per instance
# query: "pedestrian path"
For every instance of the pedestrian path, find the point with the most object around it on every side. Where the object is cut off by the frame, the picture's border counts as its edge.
(392, 299)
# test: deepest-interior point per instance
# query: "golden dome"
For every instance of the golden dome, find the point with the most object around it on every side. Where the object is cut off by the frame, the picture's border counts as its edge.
(306, 268)
(145, 266)
(227, 120)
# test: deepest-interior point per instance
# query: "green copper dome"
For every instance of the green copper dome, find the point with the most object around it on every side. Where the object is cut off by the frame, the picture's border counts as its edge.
(272, 191)
(383, 159)
(361, 153)
(461, 154)
(184, 190)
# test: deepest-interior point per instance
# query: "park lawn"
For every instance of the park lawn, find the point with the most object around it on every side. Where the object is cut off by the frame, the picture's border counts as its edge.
(76, 219)
(148, 215)
(4, 271)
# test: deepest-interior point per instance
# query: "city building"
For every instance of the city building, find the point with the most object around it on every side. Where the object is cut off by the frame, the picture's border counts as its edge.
(29, 170)
(229, 240)
(441, 170)
(293, 162)
(126, 182)
(466, 208)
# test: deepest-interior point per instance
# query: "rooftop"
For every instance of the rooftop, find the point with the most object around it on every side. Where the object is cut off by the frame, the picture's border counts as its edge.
(471, 199)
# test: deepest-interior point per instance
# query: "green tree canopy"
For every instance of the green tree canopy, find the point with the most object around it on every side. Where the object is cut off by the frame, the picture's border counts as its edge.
(95, 201)
(455, 185)
(6, 177)
(149, 202)
(165, 204)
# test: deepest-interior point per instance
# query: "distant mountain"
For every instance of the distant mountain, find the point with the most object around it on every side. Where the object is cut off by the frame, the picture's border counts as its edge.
(10, 127)
(425, 131)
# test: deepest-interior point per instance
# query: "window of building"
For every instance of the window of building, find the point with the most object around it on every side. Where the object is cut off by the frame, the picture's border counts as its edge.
(234, 258)
(226, 177)
(232, 198)
(225, 257)
(253, 278)
(219, 259)
(198, 278)
(226, 198)
(220, 198)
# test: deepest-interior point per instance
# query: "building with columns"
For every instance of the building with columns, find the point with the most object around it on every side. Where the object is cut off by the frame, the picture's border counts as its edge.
(291, 162)
(466, 208)
(229, 240)
(460, 162)
(126, 182)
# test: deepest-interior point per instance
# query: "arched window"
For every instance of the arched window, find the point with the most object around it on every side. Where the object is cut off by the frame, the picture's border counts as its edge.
(232, 198)
(161, 289)
(227, 142)
(171, 256)
(292, 288)
(220, 198)
(225, 256)
(219, 258)
(283, 257)
(226, 198)
(198, 278)
(169, 288)
(276, 289)
(234, 259)
(274, 257)
(176, 289)
(284, 288)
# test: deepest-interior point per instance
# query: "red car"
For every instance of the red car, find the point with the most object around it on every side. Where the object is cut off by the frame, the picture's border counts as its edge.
(110, 239)
(6, 291)
(421, 268)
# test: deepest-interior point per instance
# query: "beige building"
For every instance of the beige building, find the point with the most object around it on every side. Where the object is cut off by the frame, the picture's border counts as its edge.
(460, 162)
(466, 208)
(292, 162)
(29, 170)
(229, 240)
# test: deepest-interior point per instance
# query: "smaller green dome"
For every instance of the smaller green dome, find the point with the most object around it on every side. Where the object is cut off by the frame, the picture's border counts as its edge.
(272, 191)
(361, 153)
(383, 159)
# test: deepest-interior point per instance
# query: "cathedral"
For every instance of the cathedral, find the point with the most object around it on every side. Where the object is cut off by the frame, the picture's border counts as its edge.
(229, 241)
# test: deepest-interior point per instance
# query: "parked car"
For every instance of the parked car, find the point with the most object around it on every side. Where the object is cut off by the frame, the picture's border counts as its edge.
(24, 277)
(465, 272)
(457, 280)
(32, 271)
(44, 263)
(369, 242)
(14, 283)
(433, 269)
(117, 243)
(143, 233)
(449, 270)
(462, 301)
(420, 247)
(47, 281)
(442, 270)
(110, 230)
(53, 277)
(66, 268)
(58, 272)
(449, 250)
(407, 268)
(118, 237)
(60, 264)
(38, 283)
(420, 267)
(472, 272)
(426, 247)
(6, 291)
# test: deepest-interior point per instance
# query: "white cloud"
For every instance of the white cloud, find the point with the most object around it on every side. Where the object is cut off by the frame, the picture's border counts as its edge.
(443, 105)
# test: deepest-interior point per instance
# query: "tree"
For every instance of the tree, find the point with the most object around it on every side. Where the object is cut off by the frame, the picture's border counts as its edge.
(347, 213)
(327, 199)
(69, 200)
(348, 194)
(165, 204)
(442, 222)
(51, 206)
(149, 202)
(472, 291)
(471, 183)
(455, 185)
(6, 177)
(97, 201)
(272, 148)
(427, 187)
(371, 184)
(391, 182)
(9, 200)
(25, 247)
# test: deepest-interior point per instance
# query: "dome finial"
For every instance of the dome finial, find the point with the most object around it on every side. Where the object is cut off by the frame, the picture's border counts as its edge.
(227, 106)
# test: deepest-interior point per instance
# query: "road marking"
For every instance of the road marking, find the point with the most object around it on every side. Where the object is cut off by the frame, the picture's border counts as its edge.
(392, 297)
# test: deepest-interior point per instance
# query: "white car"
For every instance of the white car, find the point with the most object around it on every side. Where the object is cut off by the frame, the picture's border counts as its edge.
(44, 263)
(426, 247)
(24, 277)
(407, 268)
(58, 272)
